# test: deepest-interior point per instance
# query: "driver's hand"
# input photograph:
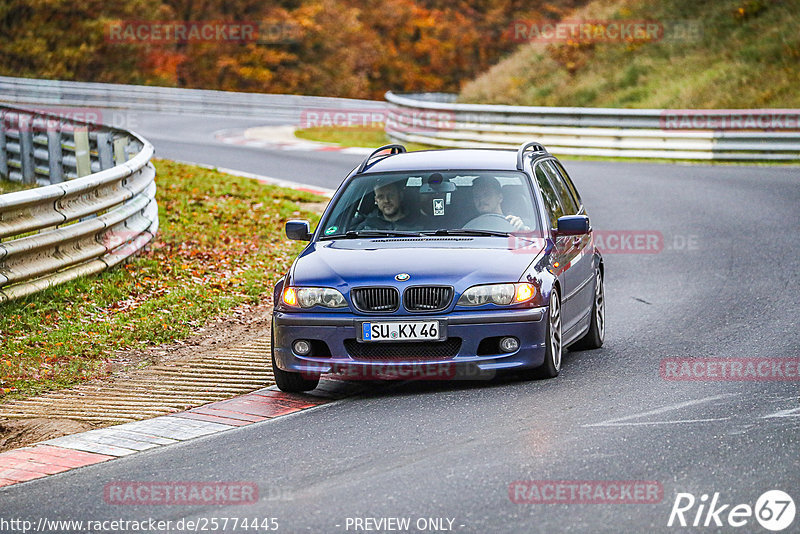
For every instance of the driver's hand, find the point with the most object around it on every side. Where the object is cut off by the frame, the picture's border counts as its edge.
(516, 222)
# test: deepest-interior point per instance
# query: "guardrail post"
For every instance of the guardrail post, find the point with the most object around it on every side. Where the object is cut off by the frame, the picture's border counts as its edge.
(55, 154)
(104, 151)
(26, 149)
(131, 148)
(120, 156)
(3, 154)
(83, 161)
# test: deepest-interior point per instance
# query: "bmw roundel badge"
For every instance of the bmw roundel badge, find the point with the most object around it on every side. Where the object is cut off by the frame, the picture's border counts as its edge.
(402, 277)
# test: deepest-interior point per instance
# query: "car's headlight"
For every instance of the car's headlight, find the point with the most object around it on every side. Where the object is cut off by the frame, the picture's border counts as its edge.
(308, 297)
(500, 294)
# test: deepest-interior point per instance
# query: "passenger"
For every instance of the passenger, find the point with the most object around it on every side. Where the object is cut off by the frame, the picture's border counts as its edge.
(488, 199)
(392, 213)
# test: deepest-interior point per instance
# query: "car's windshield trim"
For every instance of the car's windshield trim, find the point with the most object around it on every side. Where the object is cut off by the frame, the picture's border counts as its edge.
(358, 234)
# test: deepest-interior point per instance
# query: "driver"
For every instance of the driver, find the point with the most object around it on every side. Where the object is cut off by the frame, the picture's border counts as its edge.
(392, 214)
(488, 198)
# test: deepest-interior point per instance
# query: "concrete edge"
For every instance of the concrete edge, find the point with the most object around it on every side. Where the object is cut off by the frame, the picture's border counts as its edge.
(70, 452)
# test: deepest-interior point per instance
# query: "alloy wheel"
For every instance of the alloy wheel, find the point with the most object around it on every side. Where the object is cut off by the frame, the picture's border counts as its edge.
(555, 331)
(600, 305)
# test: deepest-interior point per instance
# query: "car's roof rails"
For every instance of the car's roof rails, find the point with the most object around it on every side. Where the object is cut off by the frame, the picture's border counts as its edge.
(393, 149)
(535, 146)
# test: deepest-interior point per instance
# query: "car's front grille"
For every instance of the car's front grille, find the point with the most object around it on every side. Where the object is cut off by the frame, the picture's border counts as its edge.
(427, 298)
(421, 351)
(376, 299)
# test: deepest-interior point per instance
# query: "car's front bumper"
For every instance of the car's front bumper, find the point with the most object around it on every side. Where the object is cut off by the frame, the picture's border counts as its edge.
(335, 329)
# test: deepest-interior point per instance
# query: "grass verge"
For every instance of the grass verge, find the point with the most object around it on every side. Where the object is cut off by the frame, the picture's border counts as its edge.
(360, 136)
(220, 244)
(12, 187)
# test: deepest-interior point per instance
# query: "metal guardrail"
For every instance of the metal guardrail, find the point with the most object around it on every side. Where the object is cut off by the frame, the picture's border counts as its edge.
(94, 208)
(436, 119)
(171, 99)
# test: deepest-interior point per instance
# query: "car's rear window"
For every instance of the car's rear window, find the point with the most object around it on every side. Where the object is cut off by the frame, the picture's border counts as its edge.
(434, 200)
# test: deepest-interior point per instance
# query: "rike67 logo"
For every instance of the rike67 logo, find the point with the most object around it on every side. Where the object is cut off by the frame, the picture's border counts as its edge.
(774, 510)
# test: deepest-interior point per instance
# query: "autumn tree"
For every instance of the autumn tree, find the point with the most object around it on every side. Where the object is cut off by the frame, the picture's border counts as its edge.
(344, 48)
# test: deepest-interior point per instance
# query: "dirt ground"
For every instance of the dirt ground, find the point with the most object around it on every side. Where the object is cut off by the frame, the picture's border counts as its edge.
(242, 324)
(15, 433)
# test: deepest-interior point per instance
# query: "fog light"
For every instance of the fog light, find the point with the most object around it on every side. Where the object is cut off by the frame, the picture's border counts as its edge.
(509, 344)
(302, 347)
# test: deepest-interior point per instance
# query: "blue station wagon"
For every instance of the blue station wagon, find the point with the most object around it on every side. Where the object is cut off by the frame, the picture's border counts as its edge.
(435, 261)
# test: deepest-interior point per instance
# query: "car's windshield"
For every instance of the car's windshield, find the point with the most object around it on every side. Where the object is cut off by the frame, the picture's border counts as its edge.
(409, 203)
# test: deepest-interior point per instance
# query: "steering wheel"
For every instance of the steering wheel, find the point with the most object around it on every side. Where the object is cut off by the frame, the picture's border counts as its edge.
(490, 221)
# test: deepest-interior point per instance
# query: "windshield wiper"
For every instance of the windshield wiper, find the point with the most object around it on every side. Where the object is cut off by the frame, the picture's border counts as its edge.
(356, 234)
(466, 231)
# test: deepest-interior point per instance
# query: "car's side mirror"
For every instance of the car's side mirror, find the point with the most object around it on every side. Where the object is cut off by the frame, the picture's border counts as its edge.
(298, 230)
(573, 225)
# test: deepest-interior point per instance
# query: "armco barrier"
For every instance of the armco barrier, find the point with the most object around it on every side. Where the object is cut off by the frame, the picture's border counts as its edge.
(271, 107)
(94, 208)
(436, 119)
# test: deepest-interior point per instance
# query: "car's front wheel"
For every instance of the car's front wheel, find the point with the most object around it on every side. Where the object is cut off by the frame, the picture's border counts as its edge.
(286, 380)
(553, 345)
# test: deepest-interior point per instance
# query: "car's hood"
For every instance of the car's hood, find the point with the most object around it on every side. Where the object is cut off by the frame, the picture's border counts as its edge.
(460, 262)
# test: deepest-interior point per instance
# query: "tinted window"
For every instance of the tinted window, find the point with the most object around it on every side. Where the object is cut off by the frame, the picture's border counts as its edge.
(568, 181)
(433, 200)
(570, 207)
(551, 200)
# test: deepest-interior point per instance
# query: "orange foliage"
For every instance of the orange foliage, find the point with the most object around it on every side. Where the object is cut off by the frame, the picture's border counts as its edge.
(348, 48)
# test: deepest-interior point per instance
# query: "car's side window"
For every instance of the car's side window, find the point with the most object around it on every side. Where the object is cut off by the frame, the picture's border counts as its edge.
(567, 200)
(568, 182)
(551, 200)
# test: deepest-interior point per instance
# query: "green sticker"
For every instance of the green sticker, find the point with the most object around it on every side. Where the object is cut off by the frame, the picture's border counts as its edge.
(331, 229)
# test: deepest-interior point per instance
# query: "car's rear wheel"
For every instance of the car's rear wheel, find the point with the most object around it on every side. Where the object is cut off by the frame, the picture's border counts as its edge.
(286, 380)
(597, 328)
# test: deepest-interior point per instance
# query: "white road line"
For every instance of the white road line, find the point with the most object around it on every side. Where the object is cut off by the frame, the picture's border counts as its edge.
(642, 423)
(663, 409)
(790, 412)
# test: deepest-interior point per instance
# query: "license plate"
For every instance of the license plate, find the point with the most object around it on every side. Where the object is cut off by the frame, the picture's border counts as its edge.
(402, 331)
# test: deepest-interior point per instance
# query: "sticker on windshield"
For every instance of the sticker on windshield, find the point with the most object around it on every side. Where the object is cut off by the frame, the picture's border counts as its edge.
(331, 229)
(438, 206)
